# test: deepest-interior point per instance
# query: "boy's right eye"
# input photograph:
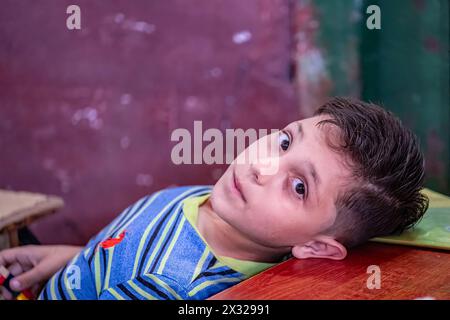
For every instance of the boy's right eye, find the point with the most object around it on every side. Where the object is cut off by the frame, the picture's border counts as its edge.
(284, 140)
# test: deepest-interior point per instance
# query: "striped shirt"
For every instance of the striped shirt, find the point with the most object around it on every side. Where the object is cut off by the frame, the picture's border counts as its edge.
(152, 250)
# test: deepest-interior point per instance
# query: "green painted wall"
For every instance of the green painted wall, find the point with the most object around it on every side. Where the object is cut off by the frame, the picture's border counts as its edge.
(405, 65)
(339, 37)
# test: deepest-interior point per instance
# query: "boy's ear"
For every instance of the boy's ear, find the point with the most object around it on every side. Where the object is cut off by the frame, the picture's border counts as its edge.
(320, 247)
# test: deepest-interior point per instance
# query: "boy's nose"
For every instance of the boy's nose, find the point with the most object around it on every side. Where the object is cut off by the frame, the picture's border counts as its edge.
(264, 160)
(263, 171)
(256, 174)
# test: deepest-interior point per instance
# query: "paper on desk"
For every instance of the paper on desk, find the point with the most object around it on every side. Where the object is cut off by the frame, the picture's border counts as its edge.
(432, 231)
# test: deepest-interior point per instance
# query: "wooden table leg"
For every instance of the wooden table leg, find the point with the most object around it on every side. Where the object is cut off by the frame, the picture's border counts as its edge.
(13, 237)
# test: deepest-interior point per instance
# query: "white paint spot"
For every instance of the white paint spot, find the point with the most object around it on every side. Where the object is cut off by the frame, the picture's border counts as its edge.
(425, 298)
(133, 25)
(139, 26)
(64, 180)
(191, 103)
(142, 26)
(124, 142)
(125, 99)
(90, 115)
(312, 65)
(242, 37)
(144, 180)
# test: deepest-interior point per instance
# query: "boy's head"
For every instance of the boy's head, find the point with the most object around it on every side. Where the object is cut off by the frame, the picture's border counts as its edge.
(349, 173)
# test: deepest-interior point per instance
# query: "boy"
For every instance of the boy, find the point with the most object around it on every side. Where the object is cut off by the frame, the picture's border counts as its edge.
(350, 173)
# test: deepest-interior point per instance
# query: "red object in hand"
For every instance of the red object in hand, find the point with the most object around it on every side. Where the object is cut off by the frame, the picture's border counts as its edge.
(28, 294)
(2, 280)
(5, 278)
(111, 242)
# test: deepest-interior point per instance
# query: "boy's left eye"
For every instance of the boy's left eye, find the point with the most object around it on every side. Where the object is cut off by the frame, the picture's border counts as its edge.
(284, 140)
(299, 187)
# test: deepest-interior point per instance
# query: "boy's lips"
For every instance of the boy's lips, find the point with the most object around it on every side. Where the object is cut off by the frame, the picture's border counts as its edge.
(237, 186)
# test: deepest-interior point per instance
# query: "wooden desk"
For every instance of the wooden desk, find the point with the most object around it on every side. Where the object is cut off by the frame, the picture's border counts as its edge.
(406, 273)
(18, 209)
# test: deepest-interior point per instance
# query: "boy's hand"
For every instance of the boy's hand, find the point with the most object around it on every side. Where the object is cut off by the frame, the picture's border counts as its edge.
(32, 265)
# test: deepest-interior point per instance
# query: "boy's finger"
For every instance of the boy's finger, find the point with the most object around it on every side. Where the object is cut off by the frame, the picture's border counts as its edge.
(19, 254)
(16, 269)
(32, 277)
(7, 257)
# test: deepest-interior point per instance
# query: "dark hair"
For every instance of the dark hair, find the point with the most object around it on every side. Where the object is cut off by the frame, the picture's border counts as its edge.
(387, 168)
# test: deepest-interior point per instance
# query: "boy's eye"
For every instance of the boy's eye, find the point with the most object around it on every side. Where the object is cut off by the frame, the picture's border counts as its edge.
(284, 140)
(298, 186)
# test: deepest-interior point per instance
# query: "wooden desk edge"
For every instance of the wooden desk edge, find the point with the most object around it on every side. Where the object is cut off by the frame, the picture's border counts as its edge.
(232, 293)
(25, 216)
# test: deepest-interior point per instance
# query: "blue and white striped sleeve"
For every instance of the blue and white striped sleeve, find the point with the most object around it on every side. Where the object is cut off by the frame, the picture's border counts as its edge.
(77, 280)
(145, 287)
(73, 282)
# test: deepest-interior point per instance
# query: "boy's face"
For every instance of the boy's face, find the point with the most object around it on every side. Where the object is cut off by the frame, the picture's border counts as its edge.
(289, 207)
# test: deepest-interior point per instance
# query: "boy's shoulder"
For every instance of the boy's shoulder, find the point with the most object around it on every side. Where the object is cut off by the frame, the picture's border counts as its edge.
(178, 193)
(140, 213)
(180, 190)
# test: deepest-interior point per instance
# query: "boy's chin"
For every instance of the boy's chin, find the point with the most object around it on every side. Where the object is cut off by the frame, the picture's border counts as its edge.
(220, 198)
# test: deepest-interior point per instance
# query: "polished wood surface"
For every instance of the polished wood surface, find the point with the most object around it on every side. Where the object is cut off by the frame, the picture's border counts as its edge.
(19, 209)
(406, 273)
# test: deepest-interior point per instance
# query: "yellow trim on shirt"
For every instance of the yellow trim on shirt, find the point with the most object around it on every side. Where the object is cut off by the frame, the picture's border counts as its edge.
(246, 267)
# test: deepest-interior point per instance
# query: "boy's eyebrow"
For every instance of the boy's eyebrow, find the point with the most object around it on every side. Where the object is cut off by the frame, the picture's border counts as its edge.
(311, 168)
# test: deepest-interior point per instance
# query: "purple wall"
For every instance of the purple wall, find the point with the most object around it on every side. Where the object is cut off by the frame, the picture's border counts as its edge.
(88, 114)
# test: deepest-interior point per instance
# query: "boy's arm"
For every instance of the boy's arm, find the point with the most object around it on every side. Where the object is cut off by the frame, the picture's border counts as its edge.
(81, 279)
(72, 282)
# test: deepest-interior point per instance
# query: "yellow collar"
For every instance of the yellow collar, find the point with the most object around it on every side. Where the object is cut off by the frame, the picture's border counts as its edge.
(246, 267)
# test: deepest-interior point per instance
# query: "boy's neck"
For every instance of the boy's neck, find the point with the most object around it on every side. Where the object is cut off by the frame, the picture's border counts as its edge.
(227, 241)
